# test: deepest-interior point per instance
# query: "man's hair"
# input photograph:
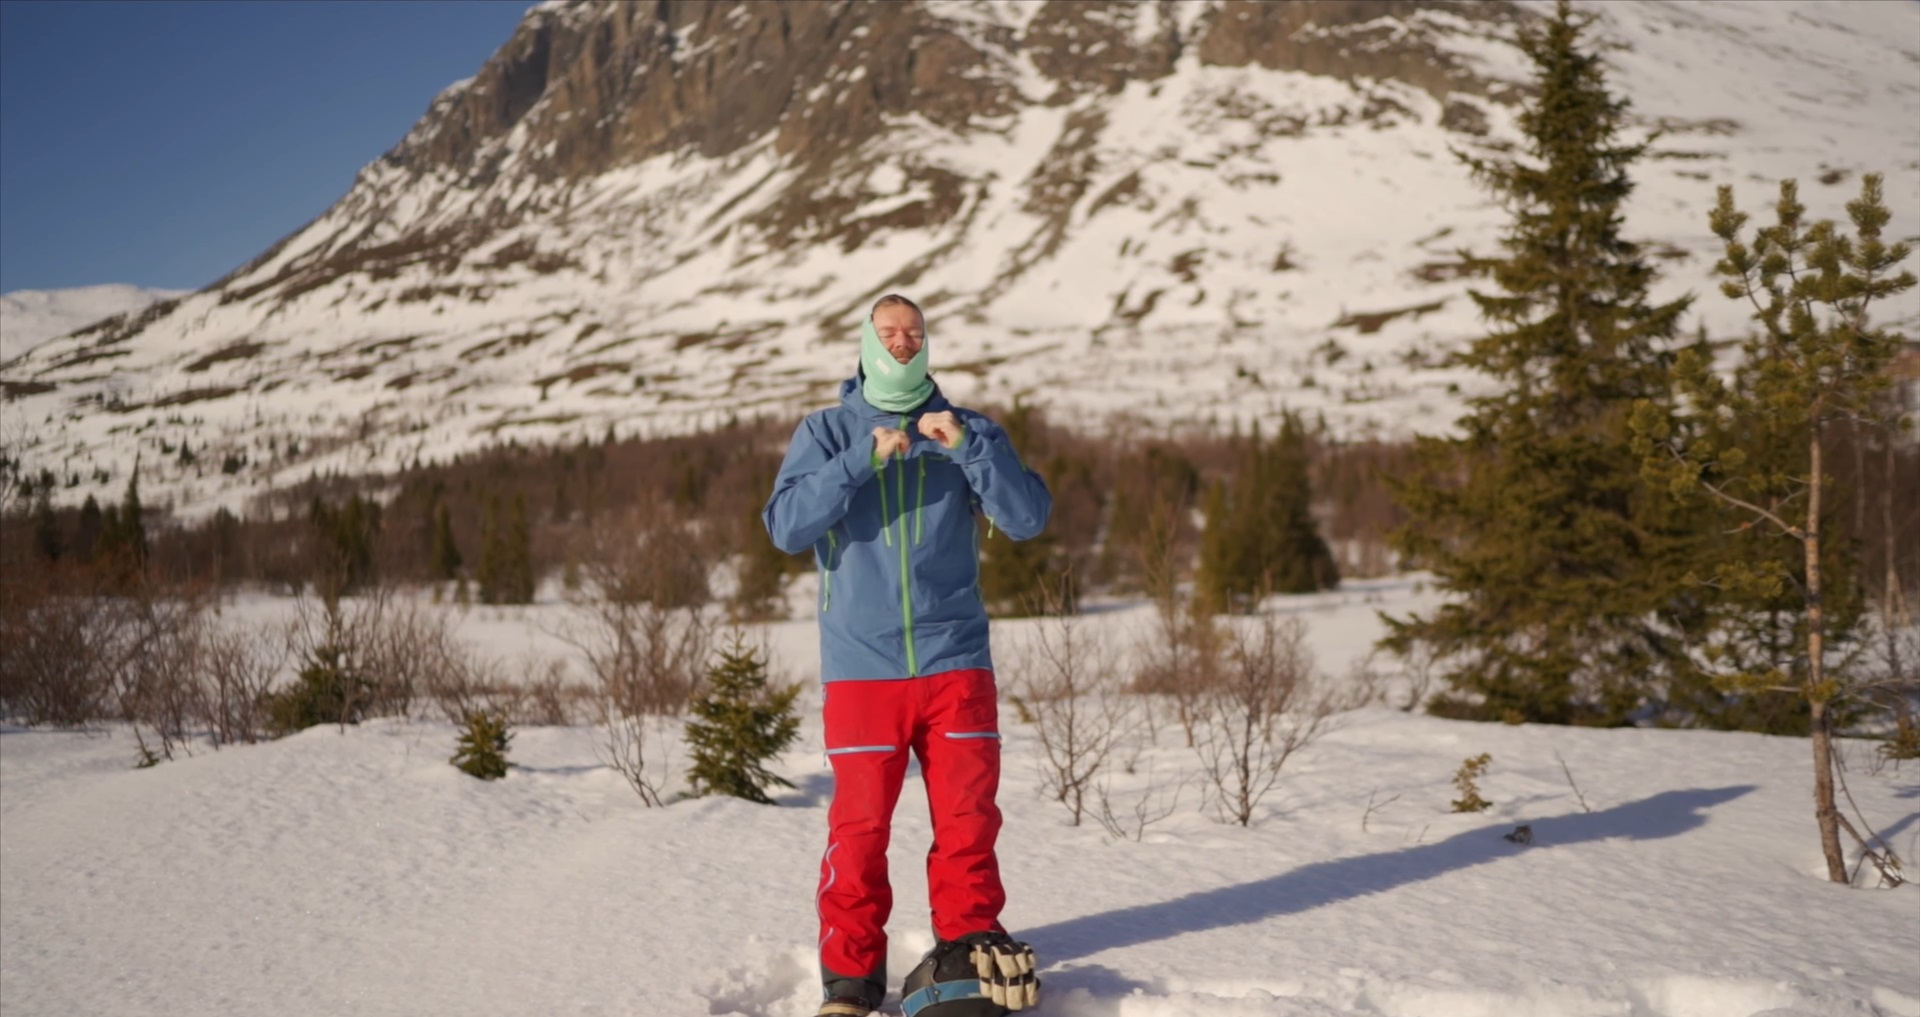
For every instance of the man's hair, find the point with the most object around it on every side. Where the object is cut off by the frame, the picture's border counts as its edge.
(894, 299)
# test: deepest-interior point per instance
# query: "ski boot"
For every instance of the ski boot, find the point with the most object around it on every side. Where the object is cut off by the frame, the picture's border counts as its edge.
(983, 974)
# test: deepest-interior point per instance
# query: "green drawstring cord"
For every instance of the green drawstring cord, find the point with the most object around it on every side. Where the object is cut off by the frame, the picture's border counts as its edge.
(920, 499)
(882, 473)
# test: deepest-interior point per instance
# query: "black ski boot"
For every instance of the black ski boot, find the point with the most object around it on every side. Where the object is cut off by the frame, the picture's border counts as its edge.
(983, 974)
(850, 997)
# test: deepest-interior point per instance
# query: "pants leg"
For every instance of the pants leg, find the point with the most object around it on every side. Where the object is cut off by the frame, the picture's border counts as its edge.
(868, 729)
(960, 754)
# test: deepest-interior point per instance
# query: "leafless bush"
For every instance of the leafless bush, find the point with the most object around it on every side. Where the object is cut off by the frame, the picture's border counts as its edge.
(1180, 659)
(60, 652)
(624, 746)
(239, 667)
(1155, 802)
(1267, 706)
(1068, 683)
(641, 632)
(413, 653)
(159, 685)
(548, 698)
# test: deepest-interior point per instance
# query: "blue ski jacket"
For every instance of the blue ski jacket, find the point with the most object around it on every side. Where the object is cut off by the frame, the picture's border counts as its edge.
(896, 543)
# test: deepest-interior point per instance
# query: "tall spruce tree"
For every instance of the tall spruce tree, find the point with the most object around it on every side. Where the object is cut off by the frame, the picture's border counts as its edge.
(48, 541)
(121, 552)
(1564, 567)
(444, 556)
(506, 554)
(1753, 447)
(87, 529)
(1015, 575)
(1261, 536)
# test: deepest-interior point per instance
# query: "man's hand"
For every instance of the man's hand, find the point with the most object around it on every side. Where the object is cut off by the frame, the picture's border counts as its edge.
(890, 442)
(943, 428)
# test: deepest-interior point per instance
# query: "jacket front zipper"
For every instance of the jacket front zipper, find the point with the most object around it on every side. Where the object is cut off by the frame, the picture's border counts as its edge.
(906, 586)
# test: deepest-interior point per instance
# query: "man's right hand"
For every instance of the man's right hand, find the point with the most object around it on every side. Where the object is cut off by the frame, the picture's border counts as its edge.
(889, 442)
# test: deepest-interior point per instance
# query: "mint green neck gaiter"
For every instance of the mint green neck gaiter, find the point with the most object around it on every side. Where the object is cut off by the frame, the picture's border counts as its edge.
(889, 384)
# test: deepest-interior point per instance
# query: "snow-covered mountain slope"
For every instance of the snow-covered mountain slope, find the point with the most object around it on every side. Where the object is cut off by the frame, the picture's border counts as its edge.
(31, 317)
(651, 217)
(358, 873)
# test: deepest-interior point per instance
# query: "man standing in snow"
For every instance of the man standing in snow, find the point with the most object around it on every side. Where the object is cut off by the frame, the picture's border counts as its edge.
(885, 488)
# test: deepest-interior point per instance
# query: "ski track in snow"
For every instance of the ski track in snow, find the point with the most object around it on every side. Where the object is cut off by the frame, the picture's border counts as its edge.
(358, 873)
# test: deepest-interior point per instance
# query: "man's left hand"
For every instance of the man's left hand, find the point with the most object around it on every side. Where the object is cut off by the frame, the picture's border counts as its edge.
(943, 427)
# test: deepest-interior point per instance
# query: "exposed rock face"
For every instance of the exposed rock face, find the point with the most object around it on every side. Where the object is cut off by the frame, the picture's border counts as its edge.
(654, 215)
(1351, 39)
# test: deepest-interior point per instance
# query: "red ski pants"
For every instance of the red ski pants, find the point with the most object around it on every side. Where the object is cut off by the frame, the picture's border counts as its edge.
(950, 723)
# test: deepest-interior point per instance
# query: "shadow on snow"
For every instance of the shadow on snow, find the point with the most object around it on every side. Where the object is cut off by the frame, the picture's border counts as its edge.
(1321, 883)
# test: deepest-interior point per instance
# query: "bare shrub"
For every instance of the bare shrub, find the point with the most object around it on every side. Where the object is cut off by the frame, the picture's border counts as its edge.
(159, 684)
(1180, 657)
(1068, 685)
(548, 698)
(413, 654)
(637, 620)
(1267, 705)
(60, 652)
(1154, 802)
(624, 747)
(239, 667)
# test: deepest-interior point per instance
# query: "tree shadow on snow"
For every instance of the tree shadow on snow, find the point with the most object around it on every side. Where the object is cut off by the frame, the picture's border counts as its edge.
(1321, 883)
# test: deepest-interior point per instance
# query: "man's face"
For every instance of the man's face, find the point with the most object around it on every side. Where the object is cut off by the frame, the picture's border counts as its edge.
(900, 330)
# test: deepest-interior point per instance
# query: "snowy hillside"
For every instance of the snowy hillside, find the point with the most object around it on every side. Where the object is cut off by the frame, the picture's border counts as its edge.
(358, 873)
(1176, 213)
(31, 317)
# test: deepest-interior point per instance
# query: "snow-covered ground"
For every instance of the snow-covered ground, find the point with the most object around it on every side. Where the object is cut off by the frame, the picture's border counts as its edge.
(31, 317)
(358, 873)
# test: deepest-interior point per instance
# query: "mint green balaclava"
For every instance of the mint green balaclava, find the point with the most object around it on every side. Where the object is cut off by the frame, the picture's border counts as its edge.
(891, 385)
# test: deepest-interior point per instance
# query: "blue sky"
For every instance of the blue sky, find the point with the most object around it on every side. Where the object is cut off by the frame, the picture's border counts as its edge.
(163, 144)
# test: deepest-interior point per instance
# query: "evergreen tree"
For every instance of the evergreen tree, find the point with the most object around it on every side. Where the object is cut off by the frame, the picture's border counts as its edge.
(481, 750)
(1016, 575)
(1147, 522)
(86, 531)
(48, 541)
(760, 573)
(1261, 536)
(344, 540)
(329, 688)
(1565, 568)
(506, 555)
(1815, 362)
(122, 548)
(738, 725)
(444, 557)
(519, 588)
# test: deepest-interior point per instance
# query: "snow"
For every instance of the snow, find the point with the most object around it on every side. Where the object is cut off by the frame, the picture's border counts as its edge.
(31, 317)
(357, 872)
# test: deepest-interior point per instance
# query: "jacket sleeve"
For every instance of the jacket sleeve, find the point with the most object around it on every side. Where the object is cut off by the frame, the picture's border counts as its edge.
(1014, 497)
(815, 487)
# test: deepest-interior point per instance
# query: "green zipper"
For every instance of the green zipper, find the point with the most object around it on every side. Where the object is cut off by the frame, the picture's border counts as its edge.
(920, 500)
(906, 586)
(827, 575)
(881, 472)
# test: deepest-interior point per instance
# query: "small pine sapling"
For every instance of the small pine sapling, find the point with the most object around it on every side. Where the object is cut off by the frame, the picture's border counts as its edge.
(738, 725)
(482, 750)
(1464, 778)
